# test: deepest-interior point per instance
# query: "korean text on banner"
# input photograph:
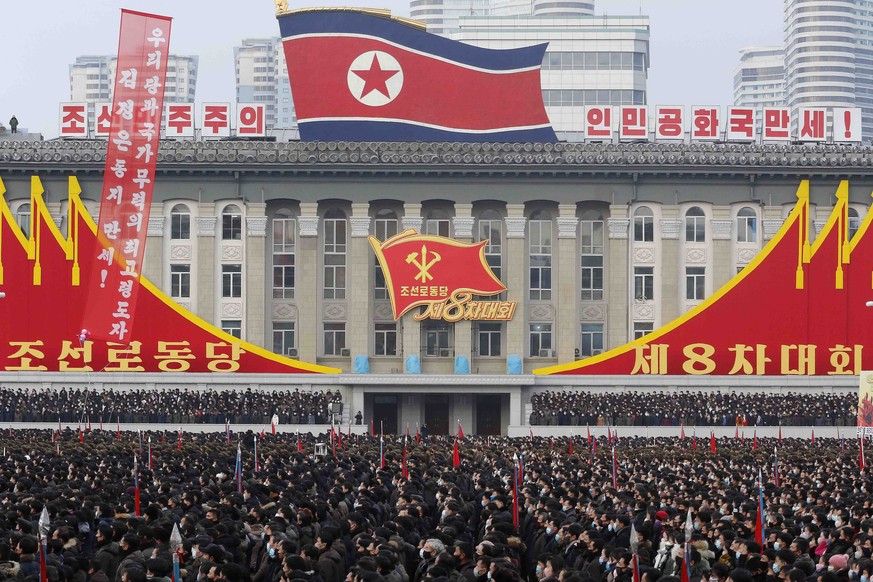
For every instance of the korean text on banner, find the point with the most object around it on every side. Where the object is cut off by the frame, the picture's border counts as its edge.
(129, 176)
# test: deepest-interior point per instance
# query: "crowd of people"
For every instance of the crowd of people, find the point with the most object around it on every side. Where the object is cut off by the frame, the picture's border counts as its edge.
(178, 406)
(399, 510)
(661, 408)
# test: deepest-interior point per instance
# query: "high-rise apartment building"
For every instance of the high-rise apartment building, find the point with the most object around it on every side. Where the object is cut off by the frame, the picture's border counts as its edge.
(262, 77)
(92, 78)
(759, 80)
(443, 16)
(829, 55)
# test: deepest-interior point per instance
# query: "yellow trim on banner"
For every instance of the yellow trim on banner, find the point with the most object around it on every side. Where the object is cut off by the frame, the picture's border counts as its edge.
(797, 213)
(203, 324)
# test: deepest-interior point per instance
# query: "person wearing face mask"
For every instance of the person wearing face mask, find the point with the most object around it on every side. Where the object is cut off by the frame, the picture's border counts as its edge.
(483, 566)
(430, 549)
(132, 558)
(621, 527)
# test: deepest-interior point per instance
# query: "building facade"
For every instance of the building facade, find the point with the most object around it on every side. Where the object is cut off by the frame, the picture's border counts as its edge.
(829, 55)
(759, 80)
(91, 79)
(597, 244)
(262, 77)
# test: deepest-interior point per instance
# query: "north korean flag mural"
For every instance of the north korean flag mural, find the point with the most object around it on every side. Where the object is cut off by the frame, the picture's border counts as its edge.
(360, 75)
(800, 308)
(45, 295)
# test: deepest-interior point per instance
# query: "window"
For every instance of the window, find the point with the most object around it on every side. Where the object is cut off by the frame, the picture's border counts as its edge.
(541, 340)
(385, 226)
(22, 218)
(592, 339)
(232, 327)
(334, 338)
(540, 251)
(641, 328)
(491, 229)
(231, 223)
(854, 222)
(591, 238)
(644, 283)
(386, 339)
(180, 281)
(437, 338)
(180, 223)
(437, 223)
(284, 257)
(695, 225)
(335, 255)
(695, 283)
(644, 225)
(747, 225)
(283, 337)
(488, 339)
(231, 280)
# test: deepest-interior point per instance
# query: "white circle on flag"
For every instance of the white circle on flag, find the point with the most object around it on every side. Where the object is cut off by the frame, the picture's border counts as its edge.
(375, 78)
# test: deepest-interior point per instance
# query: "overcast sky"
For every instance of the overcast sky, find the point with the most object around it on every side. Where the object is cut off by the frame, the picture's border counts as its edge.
(694, 44)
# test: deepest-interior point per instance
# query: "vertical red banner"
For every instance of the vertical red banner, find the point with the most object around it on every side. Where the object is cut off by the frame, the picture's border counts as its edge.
(128, 178)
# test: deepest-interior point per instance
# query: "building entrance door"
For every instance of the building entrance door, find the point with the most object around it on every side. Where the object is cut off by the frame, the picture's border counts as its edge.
(436, 413)
(488, 414)
(385, 412)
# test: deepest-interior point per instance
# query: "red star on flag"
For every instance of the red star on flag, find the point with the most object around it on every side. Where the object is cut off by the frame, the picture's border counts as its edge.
(375, 78)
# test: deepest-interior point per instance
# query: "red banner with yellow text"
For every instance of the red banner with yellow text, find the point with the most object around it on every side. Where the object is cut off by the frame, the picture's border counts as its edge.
(128, 178)
(44, 299)
(799, 308)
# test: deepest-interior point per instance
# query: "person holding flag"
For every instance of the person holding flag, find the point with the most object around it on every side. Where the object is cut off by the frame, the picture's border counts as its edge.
(759, 520)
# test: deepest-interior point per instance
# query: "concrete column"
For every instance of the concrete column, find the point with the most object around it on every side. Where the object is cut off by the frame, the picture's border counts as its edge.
(516, 407)
(771, 221)
(308, 293)
(255, 274)
(357, 404)
(617, 274)
(463, 228)
(411, 332)
(206, 261)
(672, 295)
(722, 249)
(360, 280)
(153, 261)
(567, 292)
(515, 279)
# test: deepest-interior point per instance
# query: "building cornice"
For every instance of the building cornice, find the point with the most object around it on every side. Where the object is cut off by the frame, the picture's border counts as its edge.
(357, 158)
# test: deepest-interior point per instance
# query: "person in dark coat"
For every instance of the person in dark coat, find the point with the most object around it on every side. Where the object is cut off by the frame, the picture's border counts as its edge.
(330, 563)
(13, 124)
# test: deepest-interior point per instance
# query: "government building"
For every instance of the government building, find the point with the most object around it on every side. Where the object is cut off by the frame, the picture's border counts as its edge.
(597, 244)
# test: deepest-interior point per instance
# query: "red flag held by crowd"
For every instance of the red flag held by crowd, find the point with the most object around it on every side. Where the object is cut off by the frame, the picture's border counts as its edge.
(456, 455)
(460, 430)
(712, 446)
(861, 463)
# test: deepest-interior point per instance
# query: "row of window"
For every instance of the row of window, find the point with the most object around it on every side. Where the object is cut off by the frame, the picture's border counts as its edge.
(579, 97)
(437, 338)
(594, 61)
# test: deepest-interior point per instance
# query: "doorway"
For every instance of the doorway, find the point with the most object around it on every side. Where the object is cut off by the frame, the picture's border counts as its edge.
(385, 412)
(488, 414)
(436, 413)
